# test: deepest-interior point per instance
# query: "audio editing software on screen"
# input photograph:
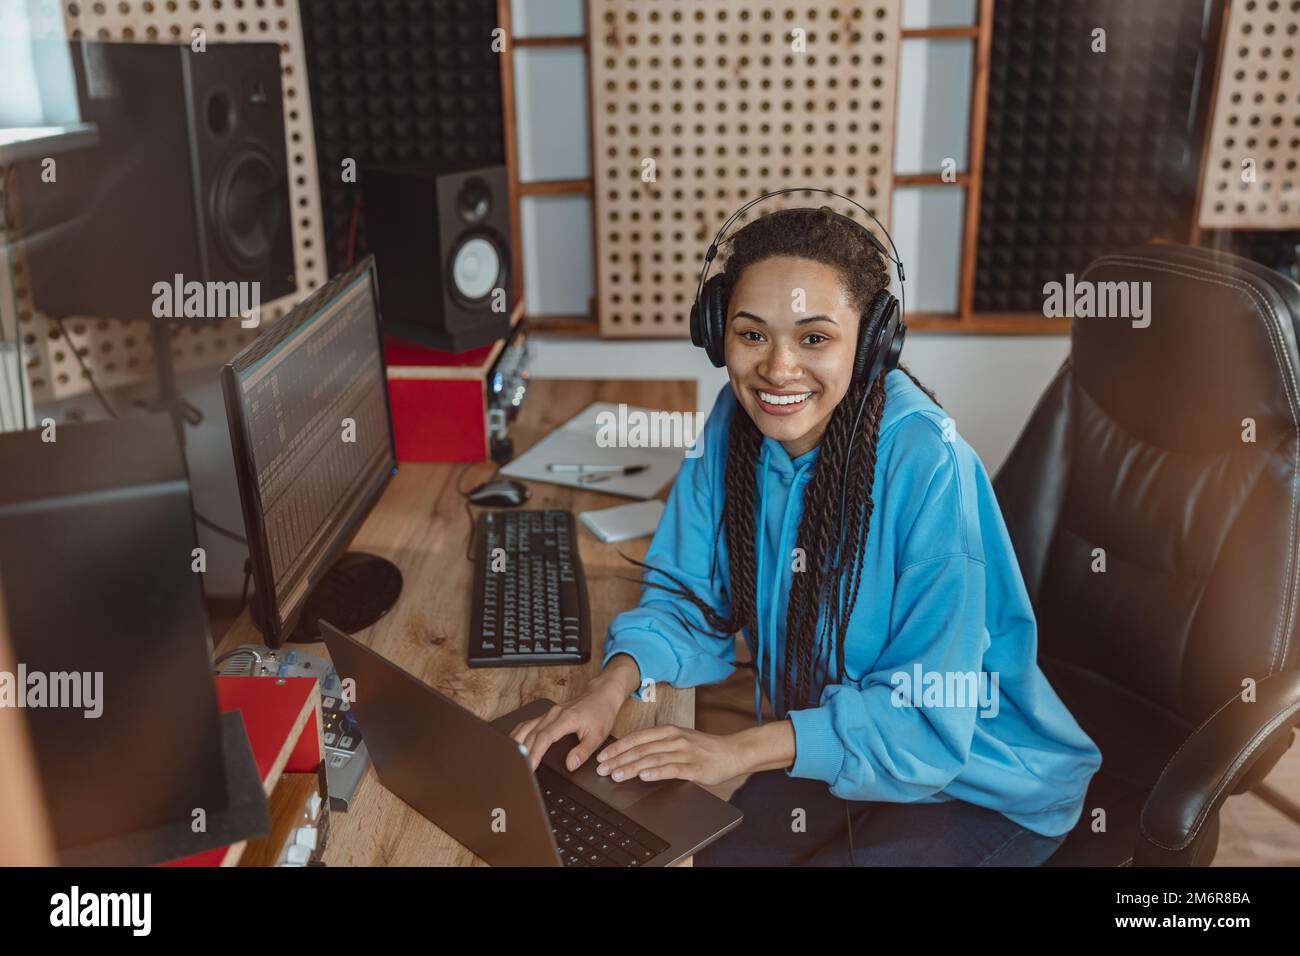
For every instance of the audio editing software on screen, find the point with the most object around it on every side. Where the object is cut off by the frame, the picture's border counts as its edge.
(310, 464)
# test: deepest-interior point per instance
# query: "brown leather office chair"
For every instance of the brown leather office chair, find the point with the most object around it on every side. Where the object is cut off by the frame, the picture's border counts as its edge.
(1138, 448)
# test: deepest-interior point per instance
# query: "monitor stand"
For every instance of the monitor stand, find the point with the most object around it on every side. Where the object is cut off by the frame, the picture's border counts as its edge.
(355, 593)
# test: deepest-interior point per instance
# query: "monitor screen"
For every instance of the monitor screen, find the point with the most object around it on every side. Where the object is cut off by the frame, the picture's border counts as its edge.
(313, 440)
(96, 560)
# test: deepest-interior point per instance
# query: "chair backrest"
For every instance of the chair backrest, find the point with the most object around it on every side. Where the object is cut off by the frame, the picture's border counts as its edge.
(1167, 447)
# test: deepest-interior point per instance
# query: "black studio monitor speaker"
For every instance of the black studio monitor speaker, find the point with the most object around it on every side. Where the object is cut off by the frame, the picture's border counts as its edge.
(189, 177)
(441, 240)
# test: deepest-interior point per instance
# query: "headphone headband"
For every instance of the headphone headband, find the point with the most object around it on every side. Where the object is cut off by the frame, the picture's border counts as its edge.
(718, 238)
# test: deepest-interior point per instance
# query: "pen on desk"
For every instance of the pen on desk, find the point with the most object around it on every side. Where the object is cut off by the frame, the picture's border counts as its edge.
(617, 469)
(605, 476)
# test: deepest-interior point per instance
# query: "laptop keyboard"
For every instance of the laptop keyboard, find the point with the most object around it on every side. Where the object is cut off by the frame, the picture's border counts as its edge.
(589, 832)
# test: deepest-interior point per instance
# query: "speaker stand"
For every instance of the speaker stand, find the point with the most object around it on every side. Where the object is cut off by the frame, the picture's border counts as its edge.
(167, 399)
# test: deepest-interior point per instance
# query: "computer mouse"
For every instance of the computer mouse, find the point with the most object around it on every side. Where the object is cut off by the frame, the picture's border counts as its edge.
(500, 493)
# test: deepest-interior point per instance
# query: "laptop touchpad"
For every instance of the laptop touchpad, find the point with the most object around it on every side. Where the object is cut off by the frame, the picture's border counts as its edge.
(619, 794)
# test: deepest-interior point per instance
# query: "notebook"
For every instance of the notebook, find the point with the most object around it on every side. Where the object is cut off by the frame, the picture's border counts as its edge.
(604, 433)
(624, 522)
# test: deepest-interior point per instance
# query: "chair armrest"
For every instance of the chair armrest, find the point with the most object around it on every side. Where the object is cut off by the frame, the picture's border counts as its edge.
(1182, 809)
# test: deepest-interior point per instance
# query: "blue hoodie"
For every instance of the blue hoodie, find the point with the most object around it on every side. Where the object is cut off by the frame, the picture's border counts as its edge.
(941, 603)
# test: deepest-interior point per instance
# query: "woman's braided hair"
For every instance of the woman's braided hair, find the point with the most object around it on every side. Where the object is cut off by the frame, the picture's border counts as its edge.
(820, 236)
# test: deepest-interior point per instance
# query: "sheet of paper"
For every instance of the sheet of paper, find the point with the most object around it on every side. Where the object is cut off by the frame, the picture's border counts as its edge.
(584, 439)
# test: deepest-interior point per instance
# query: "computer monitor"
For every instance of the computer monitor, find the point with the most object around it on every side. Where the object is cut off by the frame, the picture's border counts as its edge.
(106, 614)
(312, 434)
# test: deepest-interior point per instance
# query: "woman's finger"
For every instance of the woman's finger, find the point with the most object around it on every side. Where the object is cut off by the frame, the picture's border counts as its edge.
(671, 771)
(521, 729)
(542, 739)
(587, 742)
(618, 766)
(636, 739)
(539, 725)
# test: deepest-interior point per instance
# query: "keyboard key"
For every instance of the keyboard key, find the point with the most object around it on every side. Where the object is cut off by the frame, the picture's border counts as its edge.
(593, 833)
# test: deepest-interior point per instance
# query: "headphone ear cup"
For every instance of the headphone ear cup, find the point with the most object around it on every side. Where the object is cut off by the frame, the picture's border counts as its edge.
(709, 319)
(881, 313)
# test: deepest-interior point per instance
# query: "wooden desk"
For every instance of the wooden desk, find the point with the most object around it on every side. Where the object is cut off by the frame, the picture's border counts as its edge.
(420, 525)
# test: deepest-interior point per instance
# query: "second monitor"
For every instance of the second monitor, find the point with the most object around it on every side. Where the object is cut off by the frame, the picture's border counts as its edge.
(312, 435)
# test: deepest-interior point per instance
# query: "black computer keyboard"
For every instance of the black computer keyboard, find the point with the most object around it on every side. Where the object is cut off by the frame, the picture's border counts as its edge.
(530, 598)
(589, 832)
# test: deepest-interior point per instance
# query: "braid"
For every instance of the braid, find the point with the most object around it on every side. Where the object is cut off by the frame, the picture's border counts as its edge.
(862, 477)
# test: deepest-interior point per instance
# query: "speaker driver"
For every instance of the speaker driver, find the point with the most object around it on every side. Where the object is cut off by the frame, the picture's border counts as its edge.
(475, 269)
(246, 209)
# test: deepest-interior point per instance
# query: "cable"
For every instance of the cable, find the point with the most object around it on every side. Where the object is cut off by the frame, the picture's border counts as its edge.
(469, 513)
(224, 532)
(243, 594)
(85, 372)
(352, 231)
(848, 825)
(246, 651)
(210, 525)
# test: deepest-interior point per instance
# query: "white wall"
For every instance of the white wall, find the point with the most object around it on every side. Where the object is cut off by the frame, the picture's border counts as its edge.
(989, 384)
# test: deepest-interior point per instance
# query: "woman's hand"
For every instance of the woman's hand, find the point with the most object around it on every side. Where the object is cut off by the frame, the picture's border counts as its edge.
(674, 753)
(677, 753)
(591, 715)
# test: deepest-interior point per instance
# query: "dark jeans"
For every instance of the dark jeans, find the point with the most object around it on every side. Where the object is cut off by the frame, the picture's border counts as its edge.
(954, 833)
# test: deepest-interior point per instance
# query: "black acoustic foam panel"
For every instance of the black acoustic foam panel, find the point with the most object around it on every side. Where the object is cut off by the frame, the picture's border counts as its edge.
(398, 81)
(1084, 152)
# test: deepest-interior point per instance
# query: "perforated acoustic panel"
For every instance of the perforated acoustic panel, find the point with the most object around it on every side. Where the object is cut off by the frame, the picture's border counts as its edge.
(1085, 151)
(398, 81)
(1256, 131)
(699, 106)
(119, 353)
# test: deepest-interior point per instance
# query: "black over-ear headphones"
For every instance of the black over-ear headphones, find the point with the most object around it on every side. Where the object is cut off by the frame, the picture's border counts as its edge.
(880, 332)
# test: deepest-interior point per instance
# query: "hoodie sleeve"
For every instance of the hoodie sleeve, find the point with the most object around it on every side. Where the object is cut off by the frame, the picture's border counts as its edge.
(876, 738)
(866, 741)
(683, 546)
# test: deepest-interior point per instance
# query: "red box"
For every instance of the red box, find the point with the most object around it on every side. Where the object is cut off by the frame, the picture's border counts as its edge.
(440, 399)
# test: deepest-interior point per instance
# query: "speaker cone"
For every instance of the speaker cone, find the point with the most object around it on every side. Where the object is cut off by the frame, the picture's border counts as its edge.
(475, 269)
(246, 209)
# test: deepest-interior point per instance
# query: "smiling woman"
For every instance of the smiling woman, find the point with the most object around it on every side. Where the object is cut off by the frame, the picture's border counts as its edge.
(791, 513)
(798, 287)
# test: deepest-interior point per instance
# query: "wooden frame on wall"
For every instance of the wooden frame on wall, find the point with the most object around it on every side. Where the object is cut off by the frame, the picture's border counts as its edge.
(572, 324)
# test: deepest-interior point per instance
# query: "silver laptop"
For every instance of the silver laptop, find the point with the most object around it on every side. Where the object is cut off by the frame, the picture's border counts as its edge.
(472, 779)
